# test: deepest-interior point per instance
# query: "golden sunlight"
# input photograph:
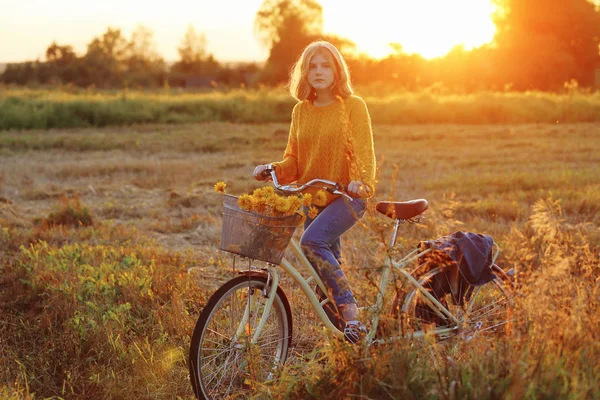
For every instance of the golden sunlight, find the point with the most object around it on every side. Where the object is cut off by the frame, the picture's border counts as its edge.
(430, 28)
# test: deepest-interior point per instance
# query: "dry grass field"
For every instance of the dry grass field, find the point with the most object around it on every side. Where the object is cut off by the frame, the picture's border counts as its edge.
(109, 247)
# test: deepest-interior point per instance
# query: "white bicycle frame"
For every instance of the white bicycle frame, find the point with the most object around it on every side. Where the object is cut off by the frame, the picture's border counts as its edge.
(305, 286)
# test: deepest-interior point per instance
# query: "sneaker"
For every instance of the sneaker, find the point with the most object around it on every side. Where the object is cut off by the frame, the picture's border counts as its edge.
(354, 331)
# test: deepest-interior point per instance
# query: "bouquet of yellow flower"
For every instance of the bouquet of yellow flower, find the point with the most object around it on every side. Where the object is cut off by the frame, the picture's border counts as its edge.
(260, 224)
(266, 201)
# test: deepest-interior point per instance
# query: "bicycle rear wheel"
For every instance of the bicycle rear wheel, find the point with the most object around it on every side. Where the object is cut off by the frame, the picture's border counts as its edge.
(484, 311)
(223, 358)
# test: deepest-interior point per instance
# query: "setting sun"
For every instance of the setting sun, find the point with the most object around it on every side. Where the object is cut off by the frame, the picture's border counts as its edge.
(430, 28)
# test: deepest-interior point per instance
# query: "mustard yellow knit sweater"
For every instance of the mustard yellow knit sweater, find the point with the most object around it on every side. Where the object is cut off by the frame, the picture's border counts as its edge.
(333, 142)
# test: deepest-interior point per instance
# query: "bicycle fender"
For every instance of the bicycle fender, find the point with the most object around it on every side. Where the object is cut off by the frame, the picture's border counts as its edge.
(258, 274)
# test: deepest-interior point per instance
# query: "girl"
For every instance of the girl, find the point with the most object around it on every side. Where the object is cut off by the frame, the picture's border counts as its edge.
(330, 138)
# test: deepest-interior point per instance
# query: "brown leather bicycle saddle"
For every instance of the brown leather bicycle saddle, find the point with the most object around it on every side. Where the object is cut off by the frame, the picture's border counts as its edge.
(403, 209)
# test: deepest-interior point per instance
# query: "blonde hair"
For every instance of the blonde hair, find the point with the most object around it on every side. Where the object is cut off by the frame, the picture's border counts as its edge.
(299, 86)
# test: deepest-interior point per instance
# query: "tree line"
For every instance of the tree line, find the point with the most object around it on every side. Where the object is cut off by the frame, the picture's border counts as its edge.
(539, 45)
(114, 61)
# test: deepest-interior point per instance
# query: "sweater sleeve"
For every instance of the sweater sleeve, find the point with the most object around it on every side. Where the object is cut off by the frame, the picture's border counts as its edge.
(287, 169)
(363, 161)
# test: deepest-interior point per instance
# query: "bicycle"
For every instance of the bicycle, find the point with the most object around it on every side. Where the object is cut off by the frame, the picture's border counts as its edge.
(244, 332)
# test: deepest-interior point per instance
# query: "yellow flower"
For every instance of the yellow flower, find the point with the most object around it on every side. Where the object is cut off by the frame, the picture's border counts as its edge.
(313, 212)
(271, 200)
(259, 194)
(268, 190)
(246, 202)
(220, 187)
(282, 205)
(259, 199)
(295, 204)
(259, 205)
(320, 198)
(307, 200)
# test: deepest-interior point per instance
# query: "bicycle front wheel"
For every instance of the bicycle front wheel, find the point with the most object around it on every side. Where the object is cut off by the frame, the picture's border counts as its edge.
(225, 357)
(481, 311)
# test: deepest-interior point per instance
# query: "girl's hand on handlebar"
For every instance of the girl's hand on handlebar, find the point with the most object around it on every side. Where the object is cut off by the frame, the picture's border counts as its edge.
(357, 189)
(260, 173)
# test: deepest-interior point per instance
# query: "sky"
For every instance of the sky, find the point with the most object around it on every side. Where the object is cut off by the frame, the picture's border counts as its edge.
(28, 27)
(429, 27)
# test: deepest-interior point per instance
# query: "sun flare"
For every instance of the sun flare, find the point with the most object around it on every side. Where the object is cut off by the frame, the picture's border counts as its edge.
(430, 28)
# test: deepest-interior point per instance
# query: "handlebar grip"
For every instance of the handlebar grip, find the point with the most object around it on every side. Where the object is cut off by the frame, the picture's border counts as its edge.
(267, 172)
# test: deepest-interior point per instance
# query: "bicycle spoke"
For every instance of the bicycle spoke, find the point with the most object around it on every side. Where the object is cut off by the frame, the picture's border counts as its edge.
(226, 370)
(494, 311)
(219, 334)
(223, 367)
(221, 351)
(274, 341)
(212, 349)
(231, 381)
(217, 344)
(268, 335)
(214, 373)
(497, 325)
(219, 323)
(215, 357)
(490, 305)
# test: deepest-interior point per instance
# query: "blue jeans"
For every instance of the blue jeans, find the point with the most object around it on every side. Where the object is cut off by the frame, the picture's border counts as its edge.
(322, 246)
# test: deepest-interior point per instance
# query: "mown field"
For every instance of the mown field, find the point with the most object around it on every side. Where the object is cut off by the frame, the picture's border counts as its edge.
(109, 247)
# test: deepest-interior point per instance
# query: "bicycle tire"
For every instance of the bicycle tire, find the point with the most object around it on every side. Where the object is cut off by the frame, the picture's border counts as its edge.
(485, 310)
(215, 352)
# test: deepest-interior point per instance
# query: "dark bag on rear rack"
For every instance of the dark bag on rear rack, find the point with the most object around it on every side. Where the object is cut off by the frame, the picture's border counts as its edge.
(466, 258)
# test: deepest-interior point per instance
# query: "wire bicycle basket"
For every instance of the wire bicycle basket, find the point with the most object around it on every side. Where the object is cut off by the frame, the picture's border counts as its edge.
(253, 235)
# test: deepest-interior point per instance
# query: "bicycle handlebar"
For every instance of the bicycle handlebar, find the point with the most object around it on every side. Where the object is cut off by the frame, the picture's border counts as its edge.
(330, 186)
